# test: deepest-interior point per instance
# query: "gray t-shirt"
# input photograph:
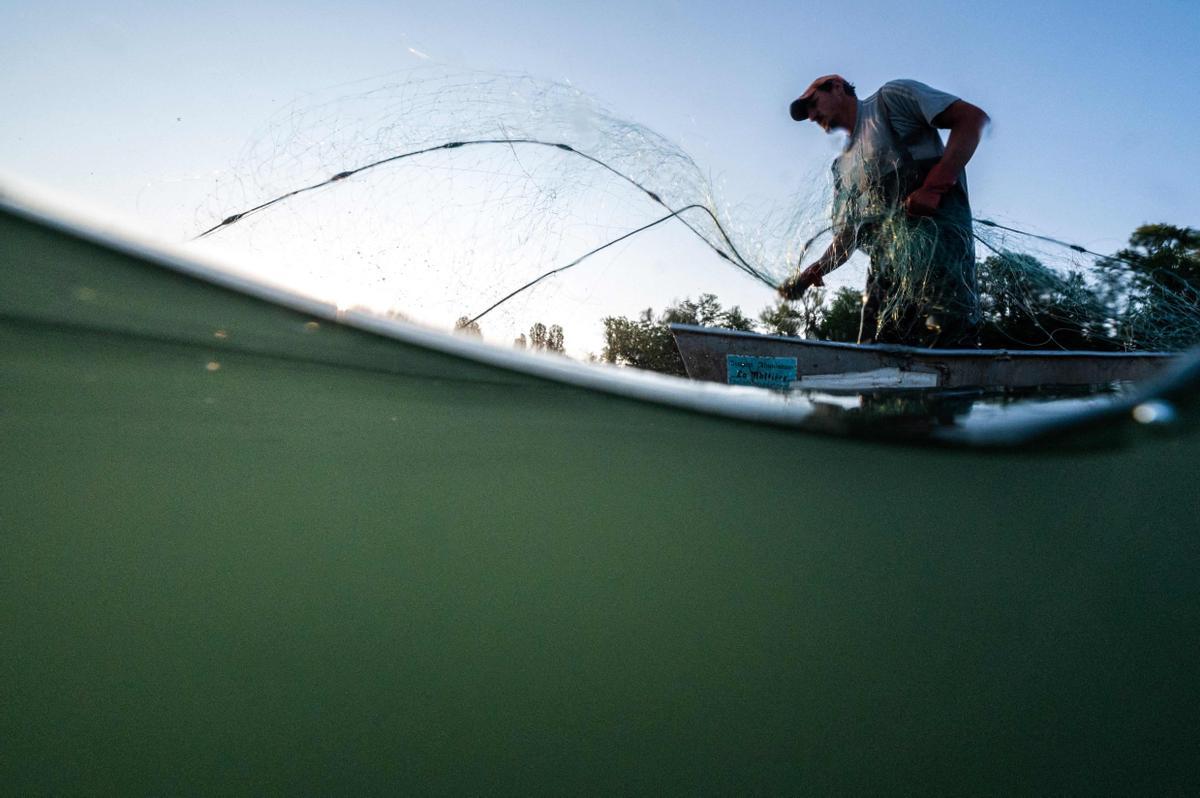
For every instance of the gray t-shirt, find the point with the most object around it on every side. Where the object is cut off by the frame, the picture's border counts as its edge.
(894, 127)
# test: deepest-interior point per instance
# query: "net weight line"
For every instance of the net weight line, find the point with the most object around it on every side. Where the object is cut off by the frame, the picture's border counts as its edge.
(732, 256)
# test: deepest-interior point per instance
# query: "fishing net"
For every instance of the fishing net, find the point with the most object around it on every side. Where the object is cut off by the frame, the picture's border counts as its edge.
(459, 197)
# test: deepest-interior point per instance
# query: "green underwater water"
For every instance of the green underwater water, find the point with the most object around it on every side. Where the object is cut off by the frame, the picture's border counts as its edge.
(228, 570)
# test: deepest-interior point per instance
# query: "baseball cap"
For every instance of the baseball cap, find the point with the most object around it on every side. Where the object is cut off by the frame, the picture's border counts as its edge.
(799, 107)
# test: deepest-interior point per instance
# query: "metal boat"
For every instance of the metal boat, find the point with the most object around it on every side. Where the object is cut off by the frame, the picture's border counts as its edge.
(775, 361)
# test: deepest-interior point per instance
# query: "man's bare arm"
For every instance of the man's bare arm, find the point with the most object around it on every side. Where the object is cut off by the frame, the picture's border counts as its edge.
(965, 123)
(838, 252)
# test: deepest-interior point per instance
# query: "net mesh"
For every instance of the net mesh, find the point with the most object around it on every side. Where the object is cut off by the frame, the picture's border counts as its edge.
(446, 195)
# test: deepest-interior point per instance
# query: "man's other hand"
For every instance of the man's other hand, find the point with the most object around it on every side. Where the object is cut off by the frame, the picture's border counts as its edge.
(794, 287)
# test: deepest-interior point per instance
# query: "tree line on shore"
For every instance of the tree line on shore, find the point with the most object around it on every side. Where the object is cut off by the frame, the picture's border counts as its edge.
(1147, 293)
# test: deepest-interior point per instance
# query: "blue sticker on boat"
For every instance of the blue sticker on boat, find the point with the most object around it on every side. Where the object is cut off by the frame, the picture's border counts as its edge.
(765, 372)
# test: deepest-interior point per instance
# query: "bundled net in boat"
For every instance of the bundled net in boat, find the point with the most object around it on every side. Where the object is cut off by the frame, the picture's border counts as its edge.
(448, 195)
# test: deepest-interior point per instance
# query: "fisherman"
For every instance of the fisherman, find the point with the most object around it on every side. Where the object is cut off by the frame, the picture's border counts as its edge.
(900, 196)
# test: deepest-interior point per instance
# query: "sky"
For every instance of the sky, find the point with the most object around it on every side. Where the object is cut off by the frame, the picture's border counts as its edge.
(133, 107)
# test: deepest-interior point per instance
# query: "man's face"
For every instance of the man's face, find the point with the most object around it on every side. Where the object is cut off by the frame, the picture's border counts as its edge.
(824, 106)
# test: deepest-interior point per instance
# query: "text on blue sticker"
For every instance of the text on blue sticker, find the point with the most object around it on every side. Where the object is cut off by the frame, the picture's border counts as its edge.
(765, 372)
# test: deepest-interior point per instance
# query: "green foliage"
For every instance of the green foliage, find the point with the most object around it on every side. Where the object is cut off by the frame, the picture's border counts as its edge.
(796, 318)
(734, 319)
(782, 318)
(1146, 296)
(1026, 305)
(465, 326)
(1157, 283)
(816, 315)
(839, 320)
(1154, 287)
(541, 339)
(1166, 254)
(643, 343)
(707, 312)
(545, 339)
(647, 343)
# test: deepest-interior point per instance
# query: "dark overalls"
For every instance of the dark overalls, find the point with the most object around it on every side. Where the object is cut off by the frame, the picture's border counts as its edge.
(921, 288)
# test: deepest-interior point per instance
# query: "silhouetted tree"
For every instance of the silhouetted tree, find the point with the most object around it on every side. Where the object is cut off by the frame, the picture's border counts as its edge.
(537, 336)
(642, 343)
(1155, 284)
(1026, 305)
(707, 312)
(1167, 254)
(840, 319)
(647, 343)
(546, 339)
(465, 326)
(554, 339)
(795, 318)
(784, 318)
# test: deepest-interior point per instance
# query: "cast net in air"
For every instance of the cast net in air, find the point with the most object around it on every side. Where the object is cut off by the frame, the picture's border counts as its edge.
(451, 196)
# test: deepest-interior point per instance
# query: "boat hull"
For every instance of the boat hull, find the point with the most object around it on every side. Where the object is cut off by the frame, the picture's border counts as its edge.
(731, 356)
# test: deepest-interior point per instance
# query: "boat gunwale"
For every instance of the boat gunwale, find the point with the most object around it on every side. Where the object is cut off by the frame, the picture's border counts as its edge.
(914, 351)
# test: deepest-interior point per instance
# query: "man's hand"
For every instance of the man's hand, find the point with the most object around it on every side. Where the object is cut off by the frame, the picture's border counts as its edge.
(794, 287)
(965, 123)
(926, 199)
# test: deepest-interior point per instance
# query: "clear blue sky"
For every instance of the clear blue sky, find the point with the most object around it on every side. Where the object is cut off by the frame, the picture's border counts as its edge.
(1093, 103)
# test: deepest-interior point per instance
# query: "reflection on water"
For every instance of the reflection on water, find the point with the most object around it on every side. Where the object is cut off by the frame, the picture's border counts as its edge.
(1116, 413)
(954, 414)
(1155, 412)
